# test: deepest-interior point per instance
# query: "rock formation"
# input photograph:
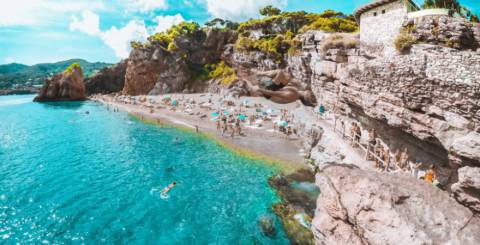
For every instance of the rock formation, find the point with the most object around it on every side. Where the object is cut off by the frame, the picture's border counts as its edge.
(64, 86)
(362, 207)
(426, 100)
(155, 70)
(107, 80)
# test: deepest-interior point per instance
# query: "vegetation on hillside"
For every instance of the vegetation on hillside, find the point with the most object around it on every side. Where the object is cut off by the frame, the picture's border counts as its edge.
(280, 30)
(17, 75)
(405, 40)
(72, 67)
(190, 30)
(340, 41)
(222, 71)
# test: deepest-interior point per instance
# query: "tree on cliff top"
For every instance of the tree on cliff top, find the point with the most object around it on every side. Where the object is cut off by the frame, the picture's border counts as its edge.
(72, 67)
(270, 11)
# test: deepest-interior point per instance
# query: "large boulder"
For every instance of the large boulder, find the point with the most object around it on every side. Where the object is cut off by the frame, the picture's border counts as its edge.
(467, 189)
(64, 86)
(365, 207)
(107, 80)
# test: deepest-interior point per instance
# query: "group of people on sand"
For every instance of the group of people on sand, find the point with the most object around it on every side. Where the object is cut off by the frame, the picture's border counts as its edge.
(230, 123)
(387, 161)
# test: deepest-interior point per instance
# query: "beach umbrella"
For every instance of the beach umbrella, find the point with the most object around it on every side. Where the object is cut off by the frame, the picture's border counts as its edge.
(282, 123)
(242, 117)
(174, 102)
(166, 97)
(214, 114)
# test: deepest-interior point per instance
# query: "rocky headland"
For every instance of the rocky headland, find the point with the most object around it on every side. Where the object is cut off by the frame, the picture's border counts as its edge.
(64, 86)
(422, 96)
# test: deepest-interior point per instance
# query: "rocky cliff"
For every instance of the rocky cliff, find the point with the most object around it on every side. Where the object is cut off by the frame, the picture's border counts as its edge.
(107, 80)
(425, 100)
(362, 207)
(67, 85)
(154, 69)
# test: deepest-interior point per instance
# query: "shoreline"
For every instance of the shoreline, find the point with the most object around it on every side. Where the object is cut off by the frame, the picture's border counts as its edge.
(267, 147)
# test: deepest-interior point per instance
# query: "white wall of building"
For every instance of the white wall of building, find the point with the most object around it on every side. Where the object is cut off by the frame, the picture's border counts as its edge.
(382, 29)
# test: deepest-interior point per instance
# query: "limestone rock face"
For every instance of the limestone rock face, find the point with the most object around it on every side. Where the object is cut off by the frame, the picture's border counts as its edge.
(362, 207)
(63, 87)
(107, 80)
(426, 100)
(155, 70)
(467, 189)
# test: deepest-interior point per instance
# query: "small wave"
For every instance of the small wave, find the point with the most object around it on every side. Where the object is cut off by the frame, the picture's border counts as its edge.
(15, 102)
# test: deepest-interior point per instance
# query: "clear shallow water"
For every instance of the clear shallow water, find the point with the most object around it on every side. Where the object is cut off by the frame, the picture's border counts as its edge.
(69, 177)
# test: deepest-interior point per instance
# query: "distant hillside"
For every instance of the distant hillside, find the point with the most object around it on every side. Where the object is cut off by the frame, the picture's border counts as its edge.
(18, 75)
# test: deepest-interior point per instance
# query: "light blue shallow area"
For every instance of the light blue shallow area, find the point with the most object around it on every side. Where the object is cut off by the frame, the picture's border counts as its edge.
(68, 177)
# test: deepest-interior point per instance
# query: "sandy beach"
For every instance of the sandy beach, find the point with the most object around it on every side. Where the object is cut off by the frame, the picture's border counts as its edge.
(260, 140)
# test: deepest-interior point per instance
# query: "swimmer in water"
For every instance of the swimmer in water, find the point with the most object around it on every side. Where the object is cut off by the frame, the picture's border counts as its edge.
(168, 188)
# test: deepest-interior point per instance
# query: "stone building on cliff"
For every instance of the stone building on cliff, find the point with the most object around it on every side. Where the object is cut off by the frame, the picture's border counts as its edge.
(381, 21)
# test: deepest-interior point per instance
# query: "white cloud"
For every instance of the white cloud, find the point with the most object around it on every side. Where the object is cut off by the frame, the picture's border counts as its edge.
(119, 39)
(89, 24)
(167, 21)
(240, 9)
(9, 60)
(37, 12)
(147, 5)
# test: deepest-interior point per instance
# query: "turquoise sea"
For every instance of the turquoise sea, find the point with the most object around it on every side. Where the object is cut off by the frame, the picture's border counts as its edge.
(68, 177)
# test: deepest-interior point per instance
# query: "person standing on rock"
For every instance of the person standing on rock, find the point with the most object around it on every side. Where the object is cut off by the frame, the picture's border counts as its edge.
(387, 158)
(404, 159)
(397, 158)
(372, 140)
(414, 168)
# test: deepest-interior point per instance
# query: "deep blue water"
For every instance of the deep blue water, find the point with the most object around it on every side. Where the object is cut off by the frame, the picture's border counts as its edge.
(67, 177)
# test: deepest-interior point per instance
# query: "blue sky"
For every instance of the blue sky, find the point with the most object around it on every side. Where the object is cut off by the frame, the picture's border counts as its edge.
(38, 31)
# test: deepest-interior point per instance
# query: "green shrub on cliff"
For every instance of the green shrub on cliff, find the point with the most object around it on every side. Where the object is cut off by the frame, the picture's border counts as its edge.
(136, 45)
(222, 71)
(166, 39)
(332, 24)
(270, 11)
(340, 41)
(274, 46)
(404, 41)
(72, 67)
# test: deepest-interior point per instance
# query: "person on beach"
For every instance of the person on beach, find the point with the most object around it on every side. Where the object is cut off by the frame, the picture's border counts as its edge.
(196, 129)
(224, 128)
(397, 157)
(219, 125)
(237, 127)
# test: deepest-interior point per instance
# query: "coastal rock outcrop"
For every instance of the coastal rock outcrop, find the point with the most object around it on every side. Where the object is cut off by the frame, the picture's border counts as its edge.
(155, 70)
(363, 207)
(64, 86)
(425, 100)
(107, 80)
